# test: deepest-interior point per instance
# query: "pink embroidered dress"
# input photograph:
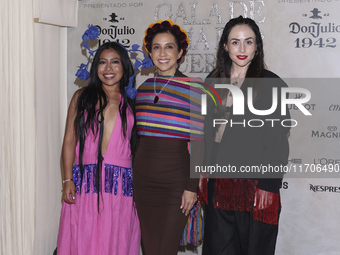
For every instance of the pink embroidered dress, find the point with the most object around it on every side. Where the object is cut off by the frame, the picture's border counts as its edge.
(114, 228)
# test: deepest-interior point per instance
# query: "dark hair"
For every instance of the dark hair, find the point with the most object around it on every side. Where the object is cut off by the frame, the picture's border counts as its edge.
(90, 118)
(181, 37)
(224, 62)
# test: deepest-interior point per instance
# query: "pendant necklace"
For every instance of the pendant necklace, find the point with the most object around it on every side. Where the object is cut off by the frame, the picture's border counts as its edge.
(154, 88)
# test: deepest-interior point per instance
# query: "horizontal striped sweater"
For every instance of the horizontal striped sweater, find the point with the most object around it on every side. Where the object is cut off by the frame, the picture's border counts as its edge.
(177, 114)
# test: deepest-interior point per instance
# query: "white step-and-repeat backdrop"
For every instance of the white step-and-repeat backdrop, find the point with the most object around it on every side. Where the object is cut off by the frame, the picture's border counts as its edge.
(302, 45)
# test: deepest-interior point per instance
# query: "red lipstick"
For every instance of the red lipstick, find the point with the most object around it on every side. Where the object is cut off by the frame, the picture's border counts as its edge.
(241, 57)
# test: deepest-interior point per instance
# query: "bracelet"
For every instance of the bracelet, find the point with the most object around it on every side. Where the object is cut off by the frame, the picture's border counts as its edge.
(67, 180)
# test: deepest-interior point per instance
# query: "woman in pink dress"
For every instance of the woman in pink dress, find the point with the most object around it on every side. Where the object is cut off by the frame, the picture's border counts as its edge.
(98, 214)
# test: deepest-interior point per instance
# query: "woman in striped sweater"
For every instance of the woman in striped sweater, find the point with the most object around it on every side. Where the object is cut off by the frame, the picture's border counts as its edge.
(168, 116)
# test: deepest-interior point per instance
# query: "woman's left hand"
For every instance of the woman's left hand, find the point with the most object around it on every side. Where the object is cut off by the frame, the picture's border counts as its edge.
(189, 198)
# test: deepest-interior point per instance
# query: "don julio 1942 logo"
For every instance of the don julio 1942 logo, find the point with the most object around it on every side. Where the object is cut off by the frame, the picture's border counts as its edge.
(319, 34)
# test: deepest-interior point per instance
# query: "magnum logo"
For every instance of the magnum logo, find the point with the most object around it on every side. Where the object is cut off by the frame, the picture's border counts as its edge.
(330, 133)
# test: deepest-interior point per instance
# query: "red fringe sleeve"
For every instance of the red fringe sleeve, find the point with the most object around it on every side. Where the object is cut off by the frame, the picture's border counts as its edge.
(238, 195)
(270, 214)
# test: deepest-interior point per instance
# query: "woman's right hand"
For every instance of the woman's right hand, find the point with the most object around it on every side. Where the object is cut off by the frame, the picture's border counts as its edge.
(69, 192)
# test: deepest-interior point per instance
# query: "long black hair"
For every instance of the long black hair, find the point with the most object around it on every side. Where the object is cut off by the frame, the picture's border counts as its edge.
(224, 62)
(92, 102)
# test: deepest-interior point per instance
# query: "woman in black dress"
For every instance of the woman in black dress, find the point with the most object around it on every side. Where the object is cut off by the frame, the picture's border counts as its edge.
(242, 212)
